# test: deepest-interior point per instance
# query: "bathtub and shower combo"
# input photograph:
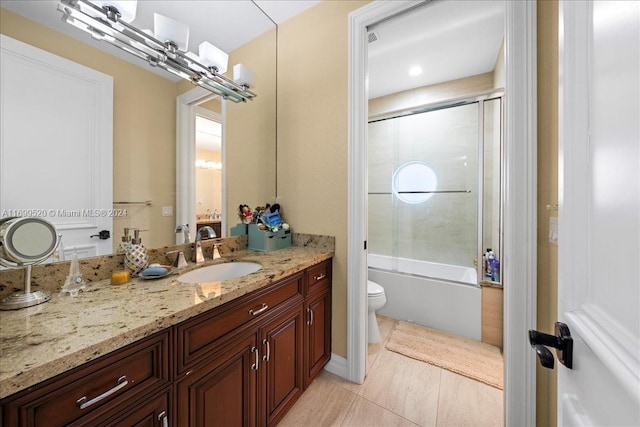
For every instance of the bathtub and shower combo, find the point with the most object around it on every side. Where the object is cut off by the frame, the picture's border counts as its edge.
(434, 208)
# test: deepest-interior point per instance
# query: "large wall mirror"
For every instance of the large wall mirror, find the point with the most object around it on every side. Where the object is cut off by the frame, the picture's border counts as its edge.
(144, 177)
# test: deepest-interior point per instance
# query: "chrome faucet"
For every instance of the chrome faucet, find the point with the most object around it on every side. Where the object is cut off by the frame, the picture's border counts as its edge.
(199, 257)
(208, 231)
(184, 228)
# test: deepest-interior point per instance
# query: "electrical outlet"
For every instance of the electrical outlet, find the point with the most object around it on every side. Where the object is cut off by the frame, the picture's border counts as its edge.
(167, 211)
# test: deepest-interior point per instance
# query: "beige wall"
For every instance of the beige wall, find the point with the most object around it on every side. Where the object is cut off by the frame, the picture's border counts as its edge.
(251, 132)
(312, 135)
(143, 128)
(386, 105)
(547, 195)
(312, 151)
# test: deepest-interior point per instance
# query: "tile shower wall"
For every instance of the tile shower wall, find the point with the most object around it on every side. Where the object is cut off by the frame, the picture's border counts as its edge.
(444, 228)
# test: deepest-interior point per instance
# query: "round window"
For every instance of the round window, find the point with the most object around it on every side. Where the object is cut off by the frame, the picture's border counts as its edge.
(414, 182)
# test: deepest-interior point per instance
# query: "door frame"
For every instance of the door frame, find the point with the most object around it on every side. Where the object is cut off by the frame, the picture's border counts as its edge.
(186, 105)
(520, 223)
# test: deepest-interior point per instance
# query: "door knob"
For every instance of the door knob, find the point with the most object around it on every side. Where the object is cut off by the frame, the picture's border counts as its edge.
(102, 235)
(561, 341)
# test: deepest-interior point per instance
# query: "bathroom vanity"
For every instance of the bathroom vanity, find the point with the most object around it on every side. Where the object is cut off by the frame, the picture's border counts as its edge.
(163, 352)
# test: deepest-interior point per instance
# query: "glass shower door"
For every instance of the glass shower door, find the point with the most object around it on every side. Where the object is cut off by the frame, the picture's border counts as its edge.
(423, 186)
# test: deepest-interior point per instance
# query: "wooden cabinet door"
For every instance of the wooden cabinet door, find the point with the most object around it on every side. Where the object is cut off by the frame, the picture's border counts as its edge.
(282, 367)
(317, 338)
(223, 390)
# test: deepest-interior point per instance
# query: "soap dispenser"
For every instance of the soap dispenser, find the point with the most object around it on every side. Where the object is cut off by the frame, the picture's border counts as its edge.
(136, 258)
(126, 242)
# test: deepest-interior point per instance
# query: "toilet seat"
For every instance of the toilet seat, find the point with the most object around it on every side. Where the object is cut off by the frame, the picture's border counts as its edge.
(373, 289)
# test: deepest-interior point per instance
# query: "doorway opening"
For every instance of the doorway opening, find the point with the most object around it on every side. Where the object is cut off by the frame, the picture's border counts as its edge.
(519, 259)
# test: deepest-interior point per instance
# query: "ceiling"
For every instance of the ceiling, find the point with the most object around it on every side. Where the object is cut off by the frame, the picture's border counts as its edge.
(448, 39)
(228, 24)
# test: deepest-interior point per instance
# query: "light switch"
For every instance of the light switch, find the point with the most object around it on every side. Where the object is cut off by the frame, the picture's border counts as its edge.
(167, 211)
(553, 230)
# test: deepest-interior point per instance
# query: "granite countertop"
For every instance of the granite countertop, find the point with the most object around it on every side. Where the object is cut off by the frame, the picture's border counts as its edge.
(40, 342)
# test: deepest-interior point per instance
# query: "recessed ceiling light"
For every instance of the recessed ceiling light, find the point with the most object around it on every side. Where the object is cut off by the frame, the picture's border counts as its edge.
(415, 71)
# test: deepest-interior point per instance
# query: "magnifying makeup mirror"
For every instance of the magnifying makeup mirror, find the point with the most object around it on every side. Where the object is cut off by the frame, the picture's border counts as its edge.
(23, 243)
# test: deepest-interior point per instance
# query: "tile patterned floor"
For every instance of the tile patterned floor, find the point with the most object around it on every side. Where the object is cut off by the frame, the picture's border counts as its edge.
(398, 391)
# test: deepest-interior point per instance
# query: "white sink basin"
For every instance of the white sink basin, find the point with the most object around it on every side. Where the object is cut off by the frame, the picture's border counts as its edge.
(217, 272)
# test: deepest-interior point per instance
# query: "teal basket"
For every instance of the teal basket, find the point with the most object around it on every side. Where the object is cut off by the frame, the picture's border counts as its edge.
(263, 240)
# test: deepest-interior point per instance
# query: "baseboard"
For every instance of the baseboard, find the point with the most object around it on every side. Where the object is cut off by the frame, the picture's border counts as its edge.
(337, 365)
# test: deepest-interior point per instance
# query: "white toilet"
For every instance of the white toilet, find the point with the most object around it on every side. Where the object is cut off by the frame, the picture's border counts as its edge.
(376, 300)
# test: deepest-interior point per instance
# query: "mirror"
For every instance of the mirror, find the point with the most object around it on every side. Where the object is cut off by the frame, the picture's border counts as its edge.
(144, 110)
(26, 241)
(23, 243)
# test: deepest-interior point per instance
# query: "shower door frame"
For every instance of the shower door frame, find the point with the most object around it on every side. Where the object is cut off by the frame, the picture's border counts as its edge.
(520, 221)
(478, 98)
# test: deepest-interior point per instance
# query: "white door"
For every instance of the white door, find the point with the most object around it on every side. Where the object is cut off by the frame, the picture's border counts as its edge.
(599, 216)
(56, 155)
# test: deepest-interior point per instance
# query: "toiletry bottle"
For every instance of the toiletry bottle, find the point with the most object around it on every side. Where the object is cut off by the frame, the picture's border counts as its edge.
(489, 256)
(126, 242)
(495, 270)
(136, 258)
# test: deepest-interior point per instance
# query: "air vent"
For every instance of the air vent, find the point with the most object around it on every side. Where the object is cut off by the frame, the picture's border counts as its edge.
(372, 37)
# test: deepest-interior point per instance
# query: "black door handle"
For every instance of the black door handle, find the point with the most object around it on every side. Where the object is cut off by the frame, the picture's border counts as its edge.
(102, 235)
(561, 341)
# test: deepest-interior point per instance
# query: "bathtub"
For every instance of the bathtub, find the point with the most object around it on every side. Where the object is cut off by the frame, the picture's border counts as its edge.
(439, 296)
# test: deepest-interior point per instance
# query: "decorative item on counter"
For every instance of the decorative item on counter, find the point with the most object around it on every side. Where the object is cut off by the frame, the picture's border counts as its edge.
(126, 242)
(245, 214)
(136, 258)
(120, 277)
(269, 232)
(156, 271)
(239, 230)
(74, 283)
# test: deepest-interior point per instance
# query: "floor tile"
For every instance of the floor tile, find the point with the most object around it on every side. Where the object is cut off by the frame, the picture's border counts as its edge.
(385, 324)
(363, 413)
(404, 386)
(341, 382)
(324, 403)
(466, 402)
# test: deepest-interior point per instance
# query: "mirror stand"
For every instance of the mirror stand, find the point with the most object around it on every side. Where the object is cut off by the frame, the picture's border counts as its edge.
(27, 298)
(25, 241)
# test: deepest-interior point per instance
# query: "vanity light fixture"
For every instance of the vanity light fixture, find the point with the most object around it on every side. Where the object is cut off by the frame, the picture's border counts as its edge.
(166, 47)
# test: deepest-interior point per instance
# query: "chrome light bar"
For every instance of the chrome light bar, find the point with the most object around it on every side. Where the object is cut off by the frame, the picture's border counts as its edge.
(104, 23)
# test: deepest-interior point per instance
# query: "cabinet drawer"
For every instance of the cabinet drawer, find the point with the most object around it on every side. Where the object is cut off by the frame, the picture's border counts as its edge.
(318, 277)
(150, 411)
(202, 335)
(98, 386)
